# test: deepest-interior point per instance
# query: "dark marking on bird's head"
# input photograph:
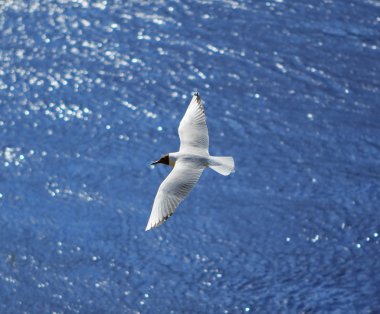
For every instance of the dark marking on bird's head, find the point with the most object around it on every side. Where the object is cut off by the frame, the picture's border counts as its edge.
(163, 160)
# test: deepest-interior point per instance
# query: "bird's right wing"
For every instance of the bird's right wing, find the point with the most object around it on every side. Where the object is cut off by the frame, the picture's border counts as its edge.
(172, 191)
(193, 132)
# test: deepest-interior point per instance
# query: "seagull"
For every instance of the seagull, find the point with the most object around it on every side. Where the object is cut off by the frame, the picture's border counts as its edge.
(188, 163)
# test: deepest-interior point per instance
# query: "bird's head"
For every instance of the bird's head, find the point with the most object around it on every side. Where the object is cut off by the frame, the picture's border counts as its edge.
(163, 160)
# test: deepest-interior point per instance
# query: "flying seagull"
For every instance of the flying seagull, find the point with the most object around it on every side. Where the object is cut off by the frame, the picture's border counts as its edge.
(189, 162)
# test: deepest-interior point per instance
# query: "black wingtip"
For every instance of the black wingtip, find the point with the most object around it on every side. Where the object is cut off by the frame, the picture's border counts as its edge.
(196, 94)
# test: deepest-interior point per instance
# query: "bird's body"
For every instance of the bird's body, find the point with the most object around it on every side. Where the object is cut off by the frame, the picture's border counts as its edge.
(201, 160)
(189, 163)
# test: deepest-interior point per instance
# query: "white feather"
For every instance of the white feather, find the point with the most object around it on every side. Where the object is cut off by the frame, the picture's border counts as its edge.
(193, 157)
(192, 130)
(173, 190)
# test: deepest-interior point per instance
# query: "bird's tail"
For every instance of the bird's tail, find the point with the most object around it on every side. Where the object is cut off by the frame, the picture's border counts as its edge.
(222, 165)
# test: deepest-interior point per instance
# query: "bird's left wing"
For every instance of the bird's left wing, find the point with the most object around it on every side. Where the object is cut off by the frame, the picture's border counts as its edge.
(193, 132)
(173, 190)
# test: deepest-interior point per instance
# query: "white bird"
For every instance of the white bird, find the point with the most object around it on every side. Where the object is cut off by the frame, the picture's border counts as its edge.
(193, 157)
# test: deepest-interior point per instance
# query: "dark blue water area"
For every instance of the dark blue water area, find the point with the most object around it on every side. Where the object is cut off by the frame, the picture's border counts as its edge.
(92, 91)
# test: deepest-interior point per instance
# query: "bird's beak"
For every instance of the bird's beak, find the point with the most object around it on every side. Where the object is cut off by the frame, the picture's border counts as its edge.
(155, 162)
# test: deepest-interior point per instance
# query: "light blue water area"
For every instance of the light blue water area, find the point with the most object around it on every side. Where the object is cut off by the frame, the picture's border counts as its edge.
(92, 91)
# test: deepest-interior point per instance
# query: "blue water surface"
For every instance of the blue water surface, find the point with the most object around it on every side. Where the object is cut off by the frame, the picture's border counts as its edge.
(92, 91)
